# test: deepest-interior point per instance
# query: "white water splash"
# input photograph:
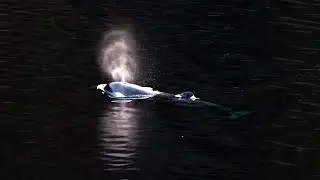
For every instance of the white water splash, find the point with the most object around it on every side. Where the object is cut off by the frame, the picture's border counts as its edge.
(117, 55)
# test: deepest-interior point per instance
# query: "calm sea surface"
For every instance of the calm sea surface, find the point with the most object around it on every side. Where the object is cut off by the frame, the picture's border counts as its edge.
(246, 55)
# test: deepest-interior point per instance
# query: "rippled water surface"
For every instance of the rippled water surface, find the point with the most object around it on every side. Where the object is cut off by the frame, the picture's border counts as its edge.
(246, 55)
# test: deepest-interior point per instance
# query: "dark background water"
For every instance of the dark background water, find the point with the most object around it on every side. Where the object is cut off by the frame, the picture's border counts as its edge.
(260, 56)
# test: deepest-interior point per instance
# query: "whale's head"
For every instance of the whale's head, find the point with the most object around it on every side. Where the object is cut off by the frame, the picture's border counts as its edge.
(104, 88)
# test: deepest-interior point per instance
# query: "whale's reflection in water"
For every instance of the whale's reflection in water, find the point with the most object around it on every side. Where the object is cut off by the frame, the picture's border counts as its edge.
(119, 136)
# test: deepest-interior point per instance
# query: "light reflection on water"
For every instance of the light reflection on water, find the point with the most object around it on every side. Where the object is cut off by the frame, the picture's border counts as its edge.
(119, 136)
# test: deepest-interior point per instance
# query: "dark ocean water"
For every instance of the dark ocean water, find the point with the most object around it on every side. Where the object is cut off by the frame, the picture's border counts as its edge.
(258, 56)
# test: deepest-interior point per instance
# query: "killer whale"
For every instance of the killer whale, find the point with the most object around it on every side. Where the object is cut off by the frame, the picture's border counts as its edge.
(124, 92)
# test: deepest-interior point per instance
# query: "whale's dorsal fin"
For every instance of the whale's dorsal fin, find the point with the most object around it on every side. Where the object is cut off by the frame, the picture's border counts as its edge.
(186, 95)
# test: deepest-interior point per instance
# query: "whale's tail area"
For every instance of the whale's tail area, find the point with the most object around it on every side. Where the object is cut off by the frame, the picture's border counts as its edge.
(237, 114)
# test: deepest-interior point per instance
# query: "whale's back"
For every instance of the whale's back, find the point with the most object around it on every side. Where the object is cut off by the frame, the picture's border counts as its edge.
(128, 89)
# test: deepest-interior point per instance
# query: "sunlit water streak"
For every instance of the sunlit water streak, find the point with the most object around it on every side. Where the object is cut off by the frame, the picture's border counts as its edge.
(119, 136)
(117, 55)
